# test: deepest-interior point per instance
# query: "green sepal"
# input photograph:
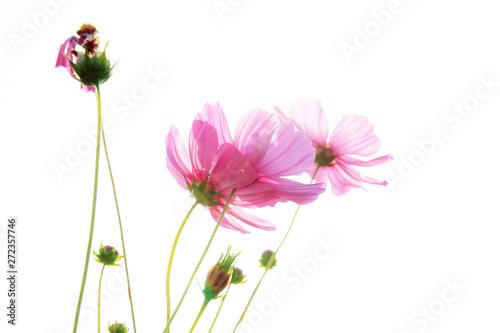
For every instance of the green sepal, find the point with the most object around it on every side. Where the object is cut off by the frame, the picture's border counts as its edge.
(117, 328)
(108, 258)
(93, 70)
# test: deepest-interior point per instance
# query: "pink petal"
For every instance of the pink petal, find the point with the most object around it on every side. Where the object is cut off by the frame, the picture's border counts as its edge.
(341, 182)
(321, 175)
(178, 162)
(202, 148)
(227, 221)
(250, 219)
(290, 153)
(376, 161)
(343, 178)
(87, 88)
(289, 190)
(354, 135)
(355, 174)
(232, 169)
(309, 117)
(214, 115)
(253, 135)
(65, 51)
(256, 195)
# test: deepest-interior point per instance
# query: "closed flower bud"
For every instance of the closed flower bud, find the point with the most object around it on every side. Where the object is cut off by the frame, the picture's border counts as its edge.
(107, 255)
(266, 258)
(219, 276)
(238, 277)
(117, 328)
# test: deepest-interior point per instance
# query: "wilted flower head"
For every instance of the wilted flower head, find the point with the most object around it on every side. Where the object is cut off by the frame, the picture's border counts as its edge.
(255, 163)
(117, 328)
(353, 135)
(219, 275)
(265, 259)
(108, 255)
(89, 65)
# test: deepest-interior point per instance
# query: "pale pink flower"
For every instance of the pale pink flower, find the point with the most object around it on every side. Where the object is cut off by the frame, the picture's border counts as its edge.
(254, 163)
(67, 50)
(353, 136)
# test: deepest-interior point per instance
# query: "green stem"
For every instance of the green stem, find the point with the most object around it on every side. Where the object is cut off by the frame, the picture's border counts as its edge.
(94, 200)
(200, 261)
(271, 260)
(250, 300)
(99, 303)
(220, 307)
(172, 252)
(121, 228)
(205, 303)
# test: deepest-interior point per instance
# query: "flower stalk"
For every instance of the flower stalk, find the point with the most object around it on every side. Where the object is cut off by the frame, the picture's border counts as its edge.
(220, 307)
(205, 303)
(94, 201)
(99, 302)
(172, 253)
(272, 260)
(169, 322)
(121, 229)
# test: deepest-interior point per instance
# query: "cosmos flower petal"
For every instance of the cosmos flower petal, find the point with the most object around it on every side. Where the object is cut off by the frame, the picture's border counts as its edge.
(250, 219)
(374, 162)
(290, 153)
(203, 146)
(256, 195)
(253, 135)
(65, 51)
(341, 182)
(358, 176)
(227, 222)
(178, 162)
(354, 135)
(321, 175)
(214, 115)
(232, 169)
(309, 117)
(87, 88)
(289, 190)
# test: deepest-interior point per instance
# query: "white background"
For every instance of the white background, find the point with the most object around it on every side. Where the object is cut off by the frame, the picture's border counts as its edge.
(398, 245)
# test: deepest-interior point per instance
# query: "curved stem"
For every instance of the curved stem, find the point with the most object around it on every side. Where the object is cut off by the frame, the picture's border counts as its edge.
(94, 200)
(121, 228)
(271, 260)
(172, 252)
(200, 261)
(205, 303)
(220, 307)
(99, 303)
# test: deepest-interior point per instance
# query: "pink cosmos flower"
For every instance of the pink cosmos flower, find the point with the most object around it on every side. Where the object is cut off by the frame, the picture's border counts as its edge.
(254, 163)
(353, 136)
(67, 50)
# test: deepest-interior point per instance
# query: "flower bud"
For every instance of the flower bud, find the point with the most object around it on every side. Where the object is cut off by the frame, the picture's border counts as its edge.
(117, 328)
(108, 255)
(266, 257)
(237, 277)
(219, 276)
